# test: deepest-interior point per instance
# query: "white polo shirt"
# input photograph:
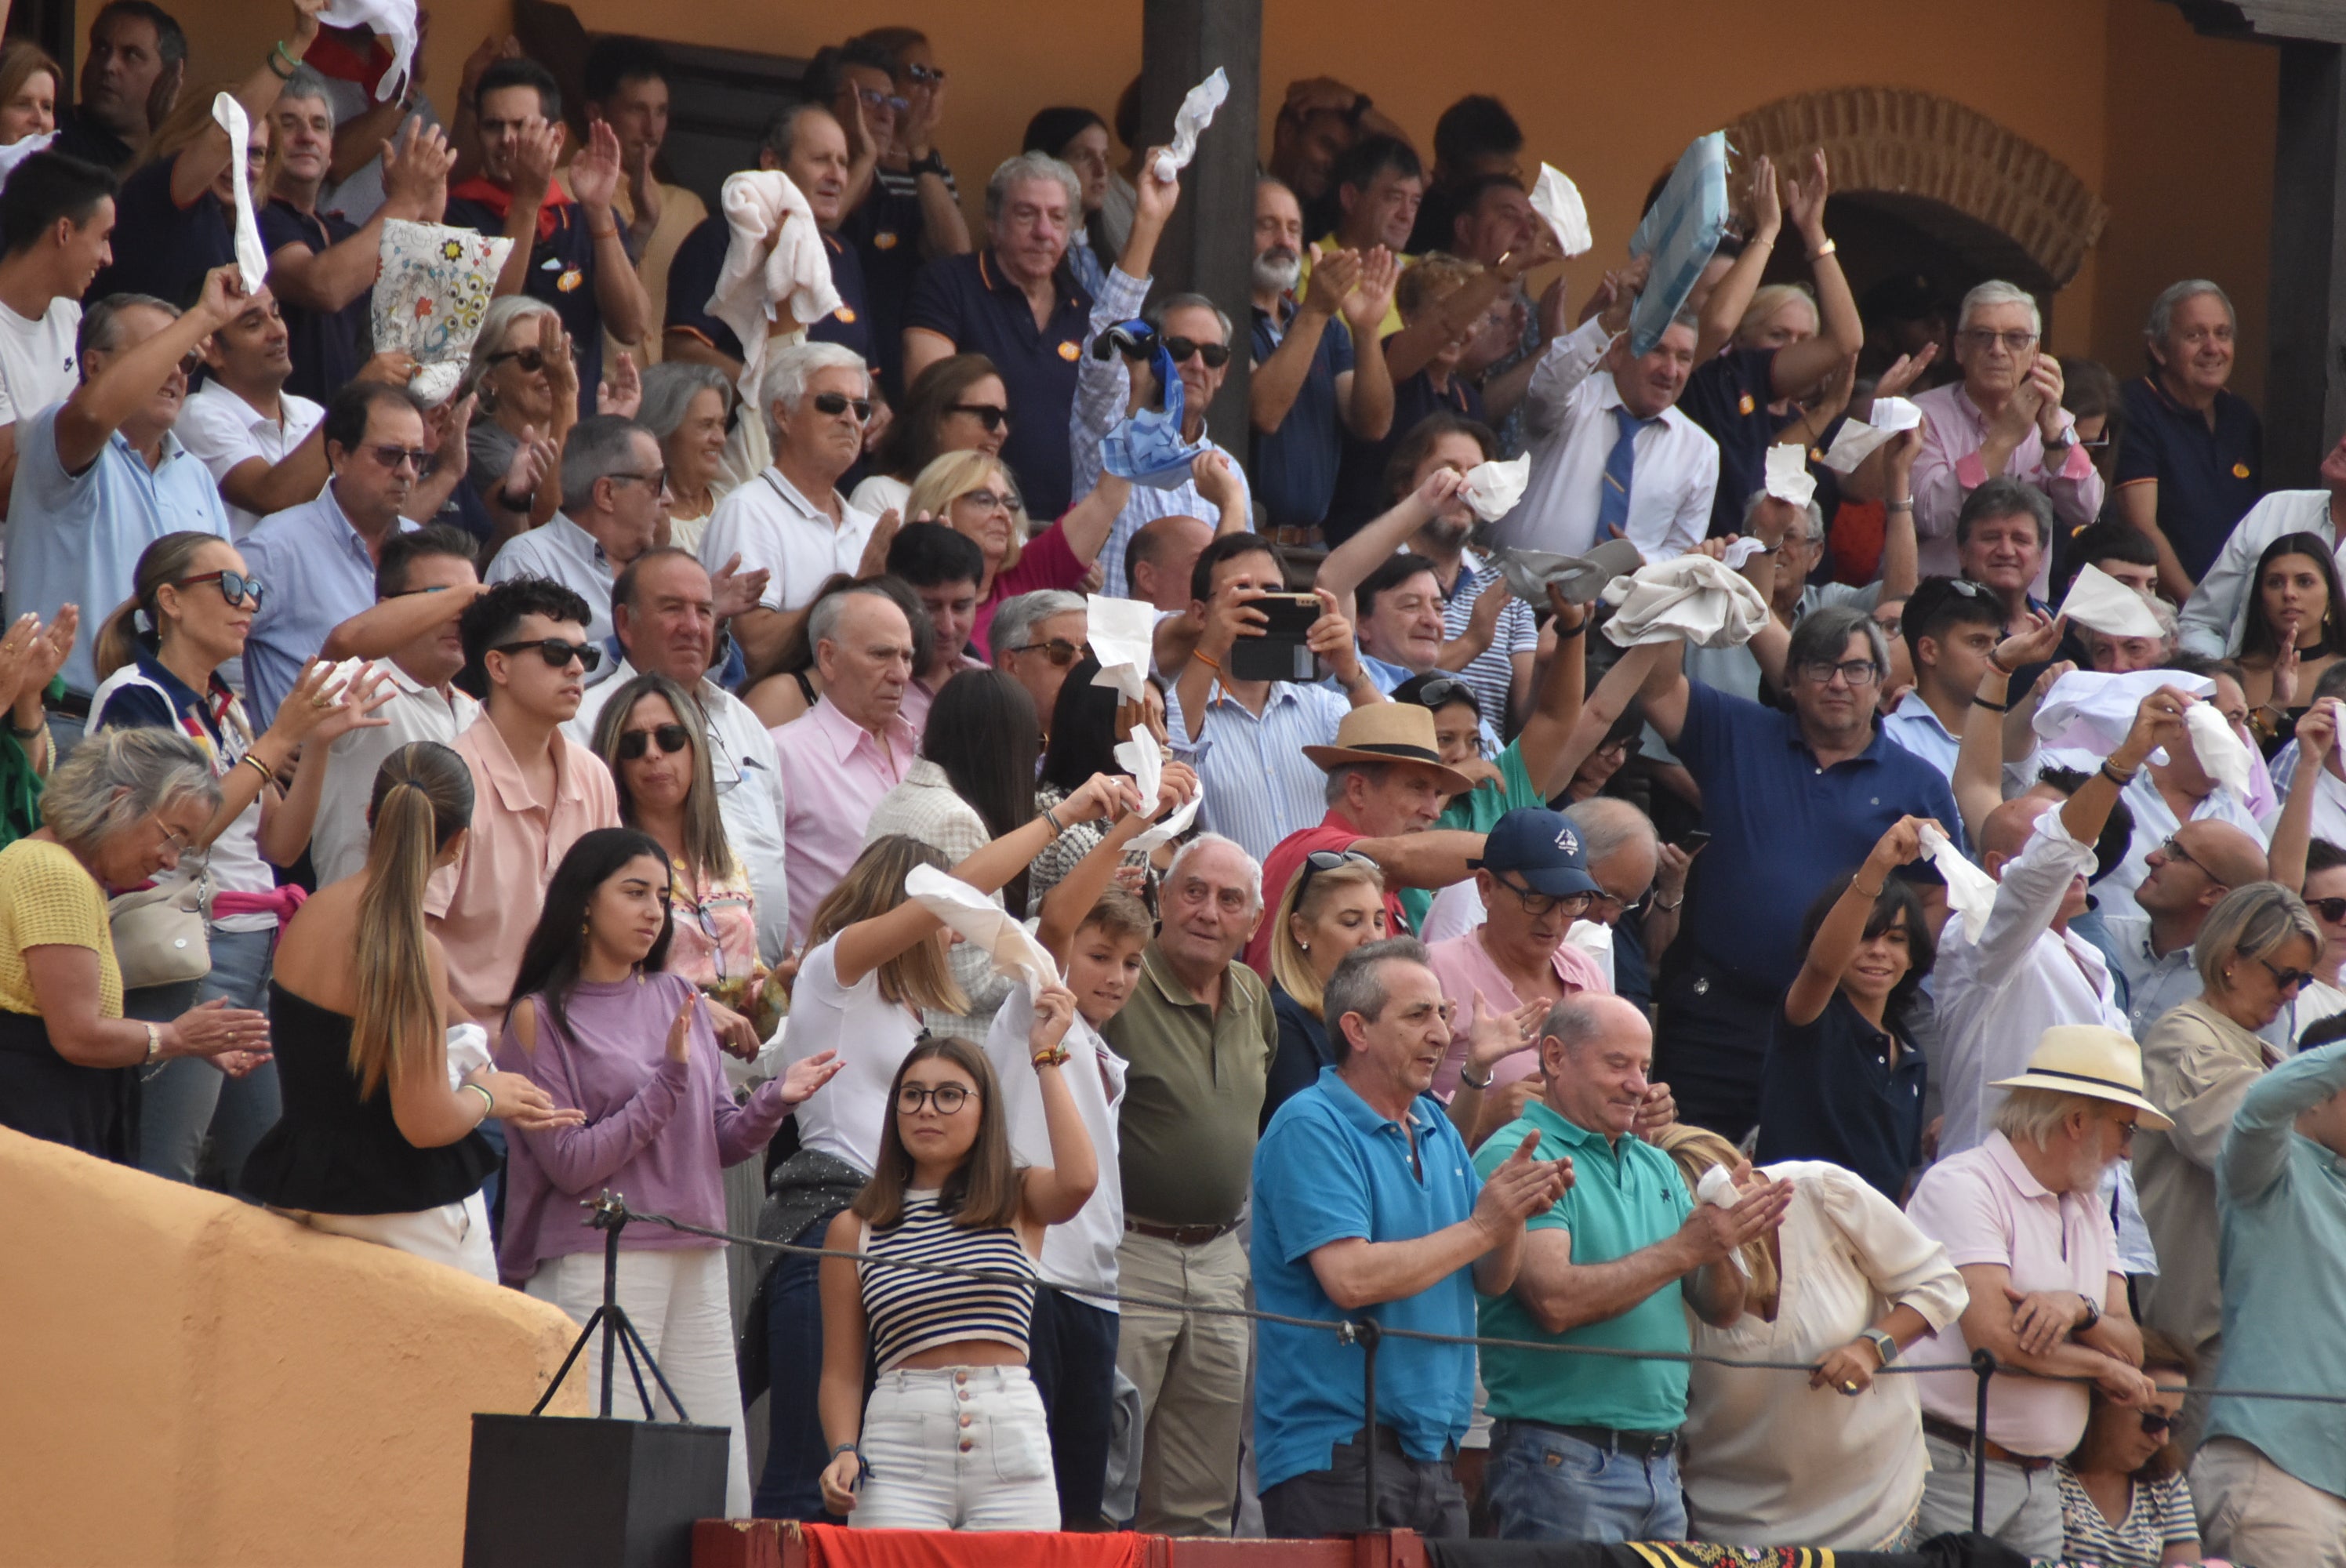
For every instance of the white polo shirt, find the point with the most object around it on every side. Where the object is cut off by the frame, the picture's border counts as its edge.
(222, 429)
(770, 524)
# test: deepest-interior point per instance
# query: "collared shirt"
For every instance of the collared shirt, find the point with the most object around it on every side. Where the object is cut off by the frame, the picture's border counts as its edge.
(75, 539)
(2284, 1269)
(1625, 1196)
(223, 430)
(327, 346)
(1464, 967)
(692, 279)
(1985, 1208)
(1837, 1088)
(1102, 392)
(570, 555)
(969, 299)
(2216, 616)
(1193, 1093)
(485, 905)
(1294, 466)
(1912, 725)
(770, 524)
(834, 772)
(338, 843)
(2153, 983)
(1732, 399)
(2208, 475)
(2154, 823)
(1490, 674)
(1331, 1168)
(1948, 468)
(1569, 425)
(1333, 831)
(1258, 786)
(316, 573)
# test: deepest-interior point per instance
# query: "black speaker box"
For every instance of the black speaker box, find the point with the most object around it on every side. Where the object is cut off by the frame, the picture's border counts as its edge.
(574, 1491)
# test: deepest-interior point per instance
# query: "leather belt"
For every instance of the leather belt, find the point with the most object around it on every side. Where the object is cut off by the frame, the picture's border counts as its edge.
(1182, 1235)
(1643, 1445)
(1948, 1431)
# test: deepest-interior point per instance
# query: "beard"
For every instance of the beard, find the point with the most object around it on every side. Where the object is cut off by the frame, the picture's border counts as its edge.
(1278, 270)
(1448, 534)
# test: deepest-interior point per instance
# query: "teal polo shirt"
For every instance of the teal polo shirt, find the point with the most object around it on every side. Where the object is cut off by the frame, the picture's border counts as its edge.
(1623, 1196)
(1329, 1168)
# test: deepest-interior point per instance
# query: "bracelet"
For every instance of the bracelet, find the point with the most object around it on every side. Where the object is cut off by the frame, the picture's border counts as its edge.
(154, 1043)
(839, 1447)
(1863, 894)
(1823, 251)
(1466, 1082)
(1991, 706)
(1058, 829)
(1056, 1056)
(258, 766)
(595, 233)
(1898, 507)
(2117, 778)
(33, 734)
(1996, 665)
(1206, 660)
(1671, 907)
(276, 53)
(1565, 634)
(488, 1100)
(932, 164)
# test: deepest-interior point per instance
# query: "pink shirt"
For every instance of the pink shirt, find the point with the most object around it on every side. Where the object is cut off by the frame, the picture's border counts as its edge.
(833, 773)
(485, 905)
(1464, 967)
(1046, 562)
(1948, 468)
(1983, 1206)
(919, 699)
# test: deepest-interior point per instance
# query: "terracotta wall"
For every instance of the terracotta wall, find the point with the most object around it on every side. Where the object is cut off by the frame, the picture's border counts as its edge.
(193, 1382)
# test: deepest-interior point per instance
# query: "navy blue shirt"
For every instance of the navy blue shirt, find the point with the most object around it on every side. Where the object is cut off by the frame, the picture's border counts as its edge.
(328, 346)
(970, 300)
(2208, 479)
(692, 277)
(1293, 469)
(161, 248)
(885, 235)
(561, 273)
(1729, 397)
(1829, 1092)
(1781, 828)
(1361, 481)
(1303, 1050)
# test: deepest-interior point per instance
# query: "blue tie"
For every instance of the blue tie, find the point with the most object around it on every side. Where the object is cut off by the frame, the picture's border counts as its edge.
(1620, 466)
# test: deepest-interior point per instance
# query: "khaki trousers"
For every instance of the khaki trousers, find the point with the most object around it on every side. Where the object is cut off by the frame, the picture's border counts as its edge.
(1191, 1374)
(2252, 1511)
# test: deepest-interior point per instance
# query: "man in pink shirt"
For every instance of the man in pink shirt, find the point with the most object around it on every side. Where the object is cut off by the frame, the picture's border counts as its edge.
(533, 793)
(2004, 417)
(850, 747)
(2019, 1215)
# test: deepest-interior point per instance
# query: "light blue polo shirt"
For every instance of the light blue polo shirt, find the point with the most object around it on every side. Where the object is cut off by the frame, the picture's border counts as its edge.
(75, 539)
(1326, 1169)
(315, 573)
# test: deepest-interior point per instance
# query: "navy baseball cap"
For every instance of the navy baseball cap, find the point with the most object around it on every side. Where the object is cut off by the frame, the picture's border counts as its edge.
(1541, 846)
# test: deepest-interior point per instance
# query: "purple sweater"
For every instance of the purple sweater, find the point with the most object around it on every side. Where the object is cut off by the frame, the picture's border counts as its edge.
(657, 1132)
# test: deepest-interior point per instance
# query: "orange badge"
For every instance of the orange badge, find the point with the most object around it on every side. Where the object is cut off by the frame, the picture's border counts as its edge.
(883, 240)
(1069, 352)
(569, 280)
(1746, 406)
(2239, 470)
(845, 313)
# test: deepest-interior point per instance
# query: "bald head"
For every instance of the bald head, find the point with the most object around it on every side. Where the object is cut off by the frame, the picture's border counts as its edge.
(1597, 1050)
(2233, 857)
(2007, 827)
(1160, 557)
(2209, 861)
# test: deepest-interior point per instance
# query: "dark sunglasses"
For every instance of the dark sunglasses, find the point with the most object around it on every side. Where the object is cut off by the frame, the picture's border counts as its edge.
(670, 738)
(926, 72)
(1058, 650)
(236, 588)
(530, 359)
(392, 456)
(2332, 910)
(2154, 1424)
(2286, 979)
(557, 653)
(874, 98)
(1441, 692)
(991, 415)
(1215, 355)
(1320, 860)
(840, 402)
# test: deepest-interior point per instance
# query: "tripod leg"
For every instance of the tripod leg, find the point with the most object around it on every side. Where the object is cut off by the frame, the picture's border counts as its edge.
(658, 1376)
(631, 1342)
(585, 1336)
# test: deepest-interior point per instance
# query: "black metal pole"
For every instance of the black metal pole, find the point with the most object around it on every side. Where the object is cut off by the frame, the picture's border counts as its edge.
(610, 1308)
(1368, 1333)
(1984, 1363)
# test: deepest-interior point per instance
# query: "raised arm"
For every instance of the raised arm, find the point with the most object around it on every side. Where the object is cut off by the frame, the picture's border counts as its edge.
(1978, 778)
(1723, 311)
(1836, 941)
(1056, 1192)
(1901, 552)
(1350, 563)
(533, 162)
(1088, 522)
(1571, 359)
(131, 377)
(415, 187)
(1369, 395)
(1412, 348)
(1595, 720)
(2292, 831)
(1434, 859)
(1555, 714)
(1799, 366)
(1067, 904)
(199, 162)
(1272, 387)
(2256, 1155)
(619, 294)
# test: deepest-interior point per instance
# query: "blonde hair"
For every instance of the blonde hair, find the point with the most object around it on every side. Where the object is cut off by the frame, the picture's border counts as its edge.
(422, 797)
(1289, 966)
(875, 885)
(1696, 1150)
(1768, 299)
(1436, 276)
(953, 474)
(161, 565)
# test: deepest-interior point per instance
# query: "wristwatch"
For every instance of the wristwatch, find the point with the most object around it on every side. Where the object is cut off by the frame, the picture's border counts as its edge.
(2093, 1315)
(1883, 1345)
(932, 164)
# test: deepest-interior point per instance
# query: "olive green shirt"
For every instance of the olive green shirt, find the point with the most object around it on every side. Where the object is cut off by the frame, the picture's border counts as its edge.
(1193, 1093)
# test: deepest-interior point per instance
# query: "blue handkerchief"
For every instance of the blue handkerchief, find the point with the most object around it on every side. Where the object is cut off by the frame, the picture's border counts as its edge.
(1679, 232)
(1147, 448)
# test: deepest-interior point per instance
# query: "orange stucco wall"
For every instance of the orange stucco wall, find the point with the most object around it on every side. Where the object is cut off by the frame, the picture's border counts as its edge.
(193, 1382)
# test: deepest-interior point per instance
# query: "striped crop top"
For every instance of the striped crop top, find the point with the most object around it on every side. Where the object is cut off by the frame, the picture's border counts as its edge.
(909, 1312)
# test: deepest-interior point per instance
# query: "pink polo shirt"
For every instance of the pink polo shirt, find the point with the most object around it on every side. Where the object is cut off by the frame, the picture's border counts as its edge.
(1983, 1206)
(1464, 967)
(833, 773)
(485, 905)
(1948, 468)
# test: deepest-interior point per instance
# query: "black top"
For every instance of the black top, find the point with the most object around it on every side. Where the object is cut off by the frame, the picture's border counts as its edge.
(561, 273)
(885, 235)
(1730, 398)
(2208, 476)
(1361, 474)
(1303, 1050)
(43, 1095)
(1829, 1092)
(334, 1153)
(161, 248)
(328, 346)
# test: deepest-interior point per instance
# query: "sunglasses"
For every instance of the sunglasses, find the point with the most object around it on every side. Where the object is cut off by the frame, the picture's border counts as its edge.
(840, 402)
(2154, 1424)
(1215, 355)
(1440, 693)
(874, 98)
(992, 416)
(392, 456)
(530, 359)
(926, 72)
(2287, 979)
(670, 738)
(1320, 860)
(1058, 650)
(2332, 910)
(557, 653)
(236, 588)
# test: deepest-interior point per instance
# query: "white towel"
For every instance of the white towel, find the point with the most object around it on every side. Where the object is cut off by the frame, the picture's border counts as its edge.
(2223, 756)
(1557, 200)
(1123, 636)
(1717, 1189)
(251, 258)
(1007, 944)
(1789, 479)
(796, 272)
(1691, 598)
(393, 21)
(2089, 712)
(1196, 113)
(2101, 602)
(1494, 489)
(1971, 892)
(23, 148)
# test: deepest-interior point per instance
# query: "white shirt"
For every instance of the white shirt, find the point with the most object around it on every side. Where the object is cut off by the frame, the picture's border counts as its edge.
(1567, 420)
(1913, 725)
(750, 799)
(37, 366)
(1078, 1254)
(2217, 614)
(338, 843)
(573, 557)
(223, 430)
(873, 1037)
(768, 523)
(2329, 802)
(880, 493)
(2153, 823)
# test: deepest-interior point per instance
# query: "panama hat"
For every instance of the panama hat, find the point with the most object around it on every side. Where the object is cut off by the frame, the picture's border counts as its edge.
(1388, 732)
(2090, 1060)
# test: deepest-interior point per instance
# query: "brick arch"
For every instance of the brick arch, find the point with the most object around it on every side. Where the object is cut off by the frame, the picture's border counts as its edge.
(1921, 144)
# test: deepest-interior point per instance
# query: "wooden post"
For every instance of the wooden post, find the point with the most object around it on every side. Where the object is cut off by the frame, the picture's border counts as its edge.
(2305, 374)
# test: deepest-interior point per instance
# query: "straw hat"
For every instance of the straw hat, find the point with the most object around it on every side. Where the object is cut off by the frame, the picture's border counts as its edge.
(2090, 1060)
(1389, 732)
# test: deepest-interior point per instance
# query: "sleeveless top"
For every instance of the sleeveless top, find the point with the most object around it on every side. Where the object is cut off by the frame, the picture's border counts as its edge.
(910, 1312)
(334, 1153)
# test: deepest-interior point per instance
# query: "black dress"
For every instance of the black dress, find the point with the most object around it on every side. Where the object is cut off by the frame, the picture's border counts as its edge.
(43, 1095)
(332, 1153)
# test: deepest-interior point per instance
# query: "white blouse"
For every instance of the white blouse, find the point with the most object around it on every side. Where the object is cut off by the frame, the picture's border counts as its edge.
(1770, 1461)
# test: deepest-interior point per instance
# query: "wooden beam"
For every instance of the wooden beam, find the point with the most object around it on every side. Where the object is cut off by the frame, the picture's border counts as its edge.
(2305, 374)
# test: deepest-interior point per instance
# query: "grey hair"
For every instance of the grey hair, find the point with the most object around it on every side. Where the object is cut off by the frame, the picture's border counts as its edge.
(1334, 794)
(2253, 921)
(1814, 514)
(1823, 636)
(1253, 867)
(1688, 317)
(1028, 165)
(1607, 826)
(822, 621)
(669, 388)
(788, 373)
(116, 777)
(2033, 1116)
(1154, 315)
(1574, 1022)
(1015, 620)
(101, 323)
(598, 446)
(2162, 310)
(1359, 985)
(1996, 292)
(305, 83)
(496, 325)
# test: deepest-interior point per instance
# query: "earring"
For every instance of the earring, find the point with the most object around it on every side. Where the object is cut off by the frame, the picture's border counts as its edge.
(1303, 947)
(584, 928)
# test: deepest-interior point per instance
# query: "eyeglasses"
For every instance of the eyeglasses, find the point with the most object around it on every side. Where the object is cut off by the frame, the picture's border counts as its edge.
(1320, 860)
(2155, 1423)
(181, 843)
(235, 587)
(1058, 650)
(1215, 355)
(948, 1098)
(2014, 342)
(2176, 851)
(532, 359)
(2332, 910)
(874, 98)
(557, 653)
(986, 500)
(392, 456)
(840, 402)
(1536, 903)
(1854, 671)
(669, 737)
(2287, 979)
(2097, 444)
(992, 416)
(1629, 746)
(657, 480)
(191, 362)
(930, 74)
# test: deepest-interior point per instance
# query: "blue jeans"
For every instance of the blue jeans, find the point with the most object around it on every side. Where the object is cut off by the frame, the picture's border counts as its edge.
(791, 1487)
(188, 1097)
(1545, 1486)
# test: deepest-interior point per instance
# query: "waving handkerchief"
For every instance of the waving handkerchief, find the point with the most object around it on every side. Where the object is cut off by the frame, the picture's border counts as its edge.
(1493, 489)
(1142, 759)
(2089, 712)
(1148, 448)
(1123, 636)
(1854, 443)
(1196, 113)
(1582, 578)
(1738, 552)
(17, 152)
(1719, 1189)
(393, 21)
(775, 257)
(2100, 601)
(431, 297)
(1971, 892)
(2223, 754)
(1691, 598)
(1007, 944)
(1789, 478)
(251, 258)
(1557, 200)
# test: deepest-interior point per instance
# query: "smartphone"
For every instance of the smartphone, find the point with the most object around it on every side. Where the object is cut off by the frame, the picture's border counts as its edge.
(1695, 839)
(1279, 654)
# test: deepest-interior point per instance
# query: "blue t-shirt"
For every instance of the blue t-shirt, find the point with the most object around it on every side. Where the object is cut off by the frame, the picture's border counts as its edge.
(1293, 468)
(692, 277)
(1329, 1168)
(1829, 1091)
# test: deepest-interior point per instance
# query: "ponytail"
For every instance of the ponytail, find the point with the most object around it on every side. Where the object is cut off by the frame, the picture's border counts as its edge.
(161, 563)
(118, 639)
(423, 798)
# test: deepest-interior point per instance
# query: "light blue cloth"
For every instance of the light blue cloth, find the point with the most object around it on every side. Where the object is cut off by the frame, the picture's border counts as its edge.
(75, 539)
(1147, 448)
(1680, 232)
(316, 573)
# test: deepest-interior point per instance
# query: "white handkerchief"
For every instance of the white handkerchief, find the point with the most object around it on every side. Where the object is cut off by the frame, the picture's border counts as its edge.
(1893, 415)
(1789, 478)
(2100, 601)
(1146, 763)
(1006, 941)
(1719, 1189)
(1196, 113)
(1494, 489)
(1124, 638)
(2223, 754)
(1738, 554)
(1691, 598)
(1557, 200)
(1855, 442)
(1595, 938)
(468, 1050)
(2089, 712)
(251, 258)
(393, 21)
(1971, 892)
(23, 148)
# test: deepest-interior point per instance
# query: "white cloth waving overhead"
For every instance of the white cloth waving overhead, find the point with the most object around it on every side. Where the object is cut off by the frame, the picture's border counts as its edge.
(393, 21)
(1692, 597)
(776, 258)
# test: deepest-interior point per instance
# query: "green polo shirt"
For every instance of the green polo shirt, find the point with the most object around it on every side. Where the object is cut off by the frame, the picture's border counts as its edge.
(1192, 1093)
(1623, 1197)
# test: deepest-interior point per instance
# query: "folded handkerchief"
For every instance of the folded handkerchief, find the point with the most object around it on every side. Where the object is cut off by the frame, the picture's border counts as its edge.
(1148, 448)
(1140, 757)
(1557, 200)
(1854, 443)
(1123, 636)
(2092, 712)
(1740, 553)
(468, 1051)
(1582, 578)
(1971, 892)
(1196, 113)
(1494, 489)
(2223, 754)
(796, 271)
(2100, 601)
(1789, 478)
(251, 261)
(1006, 941)
(1719, 1189)
(1691, 598)
(393, 21)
